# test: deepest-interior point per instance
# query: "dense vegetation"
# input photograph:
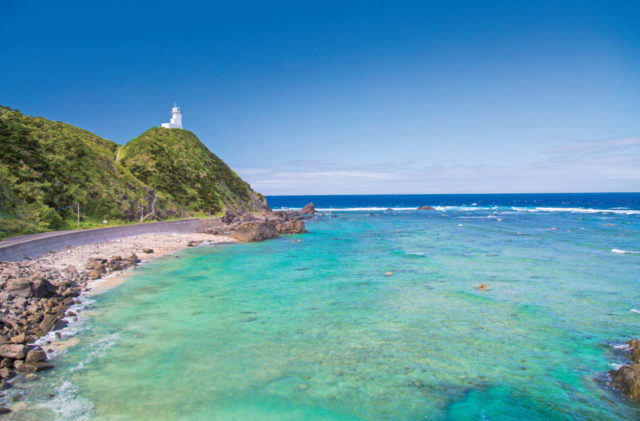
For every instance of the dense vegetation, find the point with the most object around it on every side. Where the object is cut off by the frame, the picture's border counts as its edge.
(175, 163)
(47, 167)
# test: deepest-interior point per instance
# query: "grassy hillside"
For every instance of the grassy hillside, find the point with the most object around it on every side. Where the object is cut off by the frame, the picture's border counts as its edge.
(177, 164)
(47, 167)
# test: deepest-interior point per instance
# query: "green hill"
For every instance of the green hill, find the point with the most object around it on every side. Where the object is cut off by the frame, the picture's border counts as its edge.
(175, 163)
(47, 167)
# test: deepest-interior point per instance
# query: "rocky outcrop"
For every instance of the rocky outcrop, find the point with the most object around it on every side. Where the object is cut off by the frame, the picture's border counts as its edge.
(425, 208)
(34, 300)
(249, 232)
(627, 377)
(308, 209)
(291, 227)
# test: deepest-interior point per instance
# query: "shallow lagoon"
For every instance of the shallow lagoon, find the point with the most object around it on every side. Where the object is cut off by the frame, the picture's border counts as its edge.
(309, 327)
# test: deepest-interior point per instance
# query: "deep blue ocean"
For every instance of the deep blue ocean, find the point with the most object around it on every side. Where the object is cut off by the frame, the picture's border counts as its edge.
(375, 314)
(530, 200)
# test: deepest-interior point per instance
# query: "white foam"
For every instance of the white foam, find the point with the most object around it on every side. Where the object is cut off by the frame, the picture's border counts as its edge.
(618, 251)
(74, 325)
(67, 404)
(362, 209)
(579, 210)
(99, 348)
(633, 310)
(617, 211)
(619, 346)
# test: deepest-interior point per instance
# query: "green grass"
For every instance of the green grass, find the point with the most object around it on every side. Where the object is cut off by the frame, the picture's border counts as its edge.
(47, 167)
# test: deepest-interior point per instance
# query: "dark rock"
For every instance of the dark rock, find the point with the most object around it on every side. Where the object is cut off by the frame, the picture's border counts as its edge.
(42, 288)
(308, 209)
(254, 231)
(147, 251)
(425, 208)
(4, 410)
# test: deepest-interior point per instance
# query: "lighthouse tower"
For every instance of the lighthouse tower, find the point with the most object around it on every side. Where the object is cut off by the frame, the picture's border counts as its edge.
(176, 118)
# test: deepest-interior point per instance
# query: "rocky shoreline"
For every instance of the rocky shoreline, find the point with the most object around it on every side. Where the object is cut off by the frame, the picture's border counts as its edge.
(35, 294)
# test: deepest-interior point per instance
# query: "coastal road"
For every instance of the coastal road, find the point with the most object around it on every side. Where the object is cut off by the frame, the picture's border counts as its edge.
(23, 246)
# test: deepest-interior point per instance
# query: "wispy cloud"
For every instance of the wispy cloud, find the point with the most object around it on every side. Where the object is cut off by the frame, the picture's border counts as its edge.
(602, 165)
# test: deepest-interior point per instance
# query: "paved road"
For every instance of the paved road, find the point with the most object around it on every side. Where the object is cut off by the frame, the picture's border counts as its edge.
(20, 247)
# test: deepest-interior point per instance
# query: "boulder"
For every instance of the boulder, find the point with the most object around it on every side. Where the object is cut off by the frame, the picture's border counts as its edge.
(19, 287)
(254, 231)
(42, 288)
(6, 373)
(291, 227)
(95, 262)
(147, 251)
(308, 209)
(13, 351)
(48, 322)
(425, 208)
(35, 355)
(19, 339)
(133, 260)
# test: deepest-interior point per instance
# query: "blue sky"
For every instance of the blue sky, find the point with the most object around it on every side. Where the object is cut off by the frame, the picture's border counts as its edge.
(353, 96)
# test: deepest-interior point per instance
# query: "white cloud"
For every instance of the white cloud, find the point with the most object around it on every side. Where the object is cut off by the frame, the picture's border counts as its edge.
(603, 165)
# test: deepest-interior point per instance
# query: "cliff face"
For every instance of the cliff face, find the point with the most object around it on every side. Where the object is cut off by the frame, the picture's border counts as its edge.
(177, 164)
(47, 167)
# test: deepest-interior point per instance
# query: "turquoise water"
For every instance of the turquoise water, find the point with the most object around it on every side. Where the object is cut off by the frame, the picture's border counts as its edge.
(309, 326)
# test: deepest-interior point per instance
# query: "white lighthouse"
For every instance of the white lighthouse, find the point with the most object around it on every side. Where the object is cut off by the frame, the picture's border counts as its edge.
(176, 118)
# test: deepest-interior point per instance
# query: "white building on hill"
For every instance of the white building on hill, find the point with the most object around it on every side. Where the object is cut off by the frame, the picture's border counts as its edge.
(176, 118)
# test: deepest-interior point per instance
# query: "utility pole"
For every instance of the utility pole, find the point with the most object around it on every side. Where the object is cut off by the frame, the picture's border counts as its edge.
(78, 214)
